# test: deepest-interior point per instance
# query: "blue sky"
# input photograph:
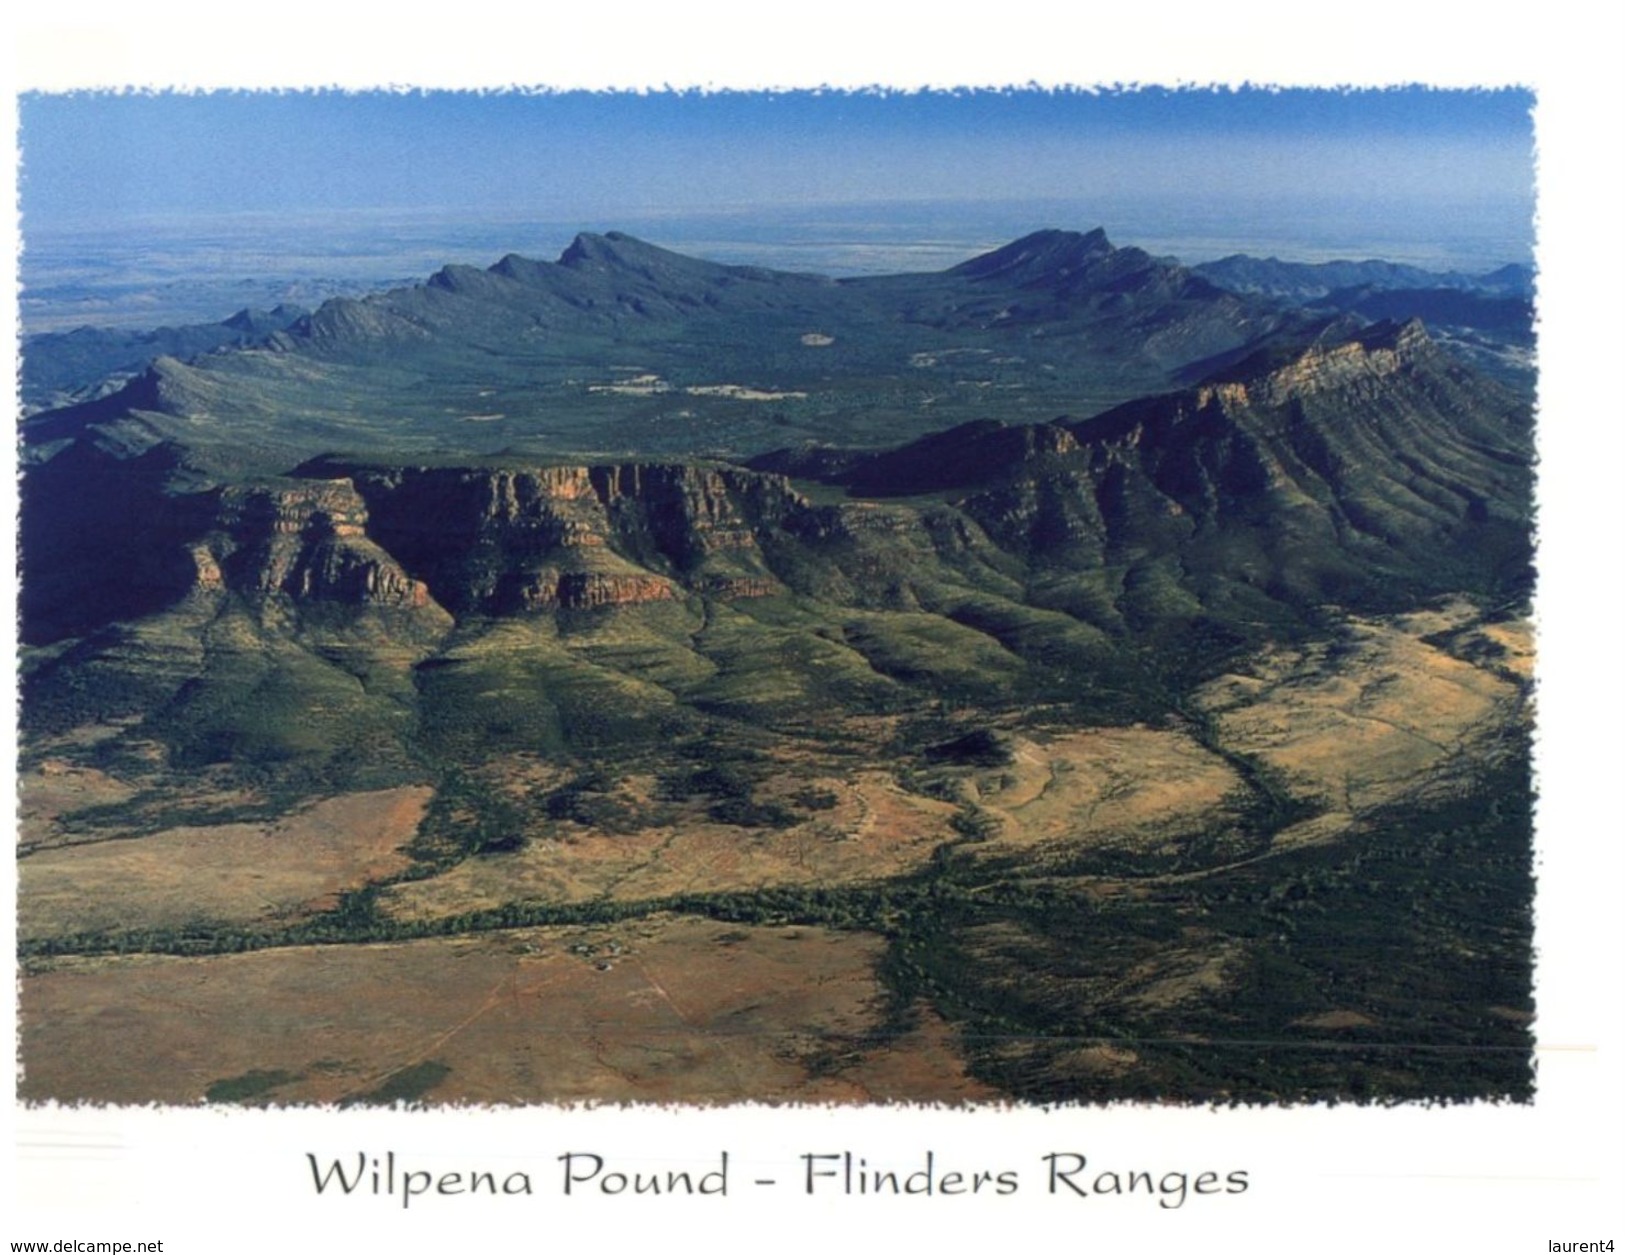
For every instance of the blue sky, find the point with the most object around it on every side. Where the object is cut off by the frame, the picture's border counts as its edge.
(98, 157)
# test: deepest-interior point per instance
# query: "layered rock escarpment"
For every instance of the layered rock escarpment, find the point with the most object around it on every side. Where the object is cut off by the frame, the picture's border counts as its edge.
(482, 542)
(306, 541)
(533, 539)
(437, 543)
(1305, 469)
(1308, 472)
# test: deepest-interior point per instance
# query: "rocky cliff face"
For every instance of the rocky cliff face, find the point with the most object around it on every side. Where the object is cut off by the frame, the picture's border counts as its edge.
(1305, 468)
(434, 543)
(1358, 367)
(520, 540)
(1311, 471)
(493, 542)
(305, 541)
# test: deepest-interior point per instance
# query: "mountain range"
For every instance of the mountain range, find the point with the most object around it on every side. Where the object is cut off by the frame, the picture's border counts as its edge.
(62, 367)
(59, 367)
(1305, 281)
(622, 346)
(629, 509)
(1311, 460)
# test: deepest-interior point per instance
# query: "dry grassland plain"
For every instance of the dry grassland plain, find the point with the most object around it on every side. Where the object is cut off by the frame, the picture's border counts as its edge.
(231, 873)
(661, 1007)
(658, 1010)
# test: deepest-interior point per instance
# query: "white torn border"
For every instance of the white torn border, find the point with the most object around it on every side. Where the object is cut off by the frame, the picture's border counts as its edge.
(1479, 1178)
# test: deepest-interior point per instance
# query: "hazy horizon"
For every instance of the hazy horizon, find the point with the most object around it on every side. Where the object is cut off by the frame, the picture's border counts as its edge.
(124, 196)
(188, 267)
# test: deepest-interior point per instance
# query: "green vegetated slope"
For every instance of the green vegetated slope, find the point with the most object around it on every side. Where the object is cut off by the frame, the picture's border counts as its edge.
(568, 607)
(623, 347)
(304, 569)
(58, 366)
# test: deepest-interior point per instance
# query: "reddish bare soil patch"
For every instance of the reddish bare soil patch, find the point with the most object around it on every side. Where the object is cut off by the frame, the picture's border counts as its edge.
(228, 872)
(658, 1010)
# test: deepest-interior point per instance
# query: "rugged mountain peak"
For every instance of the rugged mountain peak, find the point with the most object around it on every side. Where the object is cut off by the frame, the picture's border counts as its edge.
(1512, 278)
(1404, 338)
(346, 320)
(616, 249)
(457, 277)
(1336, 355)
(262, 322)
(514, 266)
(1043, 254)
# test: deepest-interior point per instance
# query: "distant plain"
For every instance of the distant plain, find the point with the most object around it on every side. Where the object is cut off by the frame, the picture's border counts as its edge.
(165, 270)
